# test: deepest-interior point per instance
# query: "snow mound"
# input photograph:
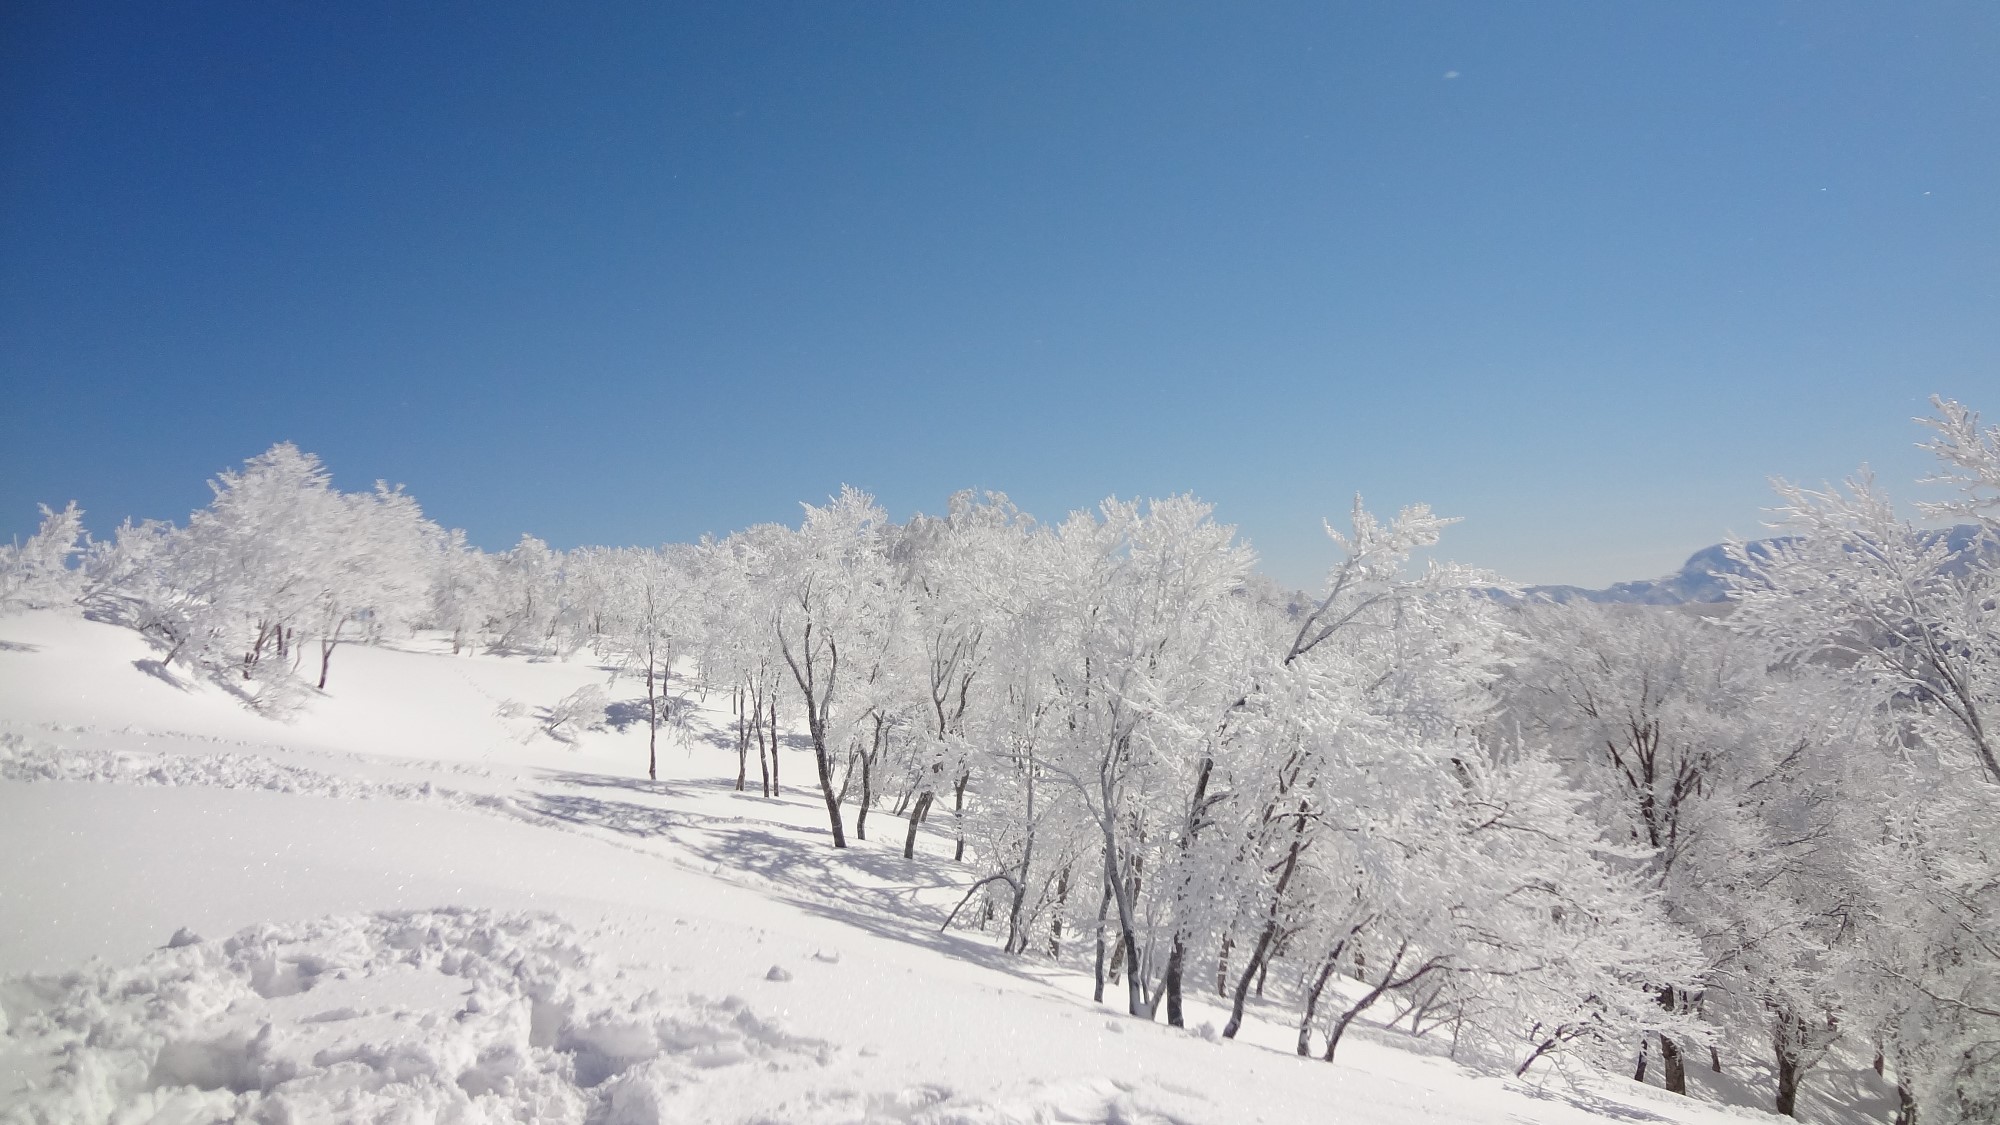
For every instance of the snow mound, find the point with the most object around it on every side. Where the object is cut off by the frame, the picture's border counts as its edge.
(447, 1015)
(24, 760)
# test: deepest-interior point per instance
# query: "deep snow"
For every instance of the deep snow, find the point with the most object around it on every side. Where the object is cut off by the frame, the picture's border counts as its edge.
(414, 904)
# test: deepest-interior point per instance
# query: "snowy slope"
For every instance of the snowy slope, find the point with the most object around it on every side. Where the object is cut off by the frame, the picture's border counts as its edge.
(412, 903)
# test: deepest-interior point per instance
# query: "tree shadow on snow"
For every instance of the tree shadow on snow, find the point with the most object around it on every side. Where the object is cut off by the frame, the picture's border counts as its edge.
(679, 789)
(810, 874)
(162, 673)
(1590, 1103)
(871, 889)
(622, 817)
(622, 713)
(627, 818)
(20, 646)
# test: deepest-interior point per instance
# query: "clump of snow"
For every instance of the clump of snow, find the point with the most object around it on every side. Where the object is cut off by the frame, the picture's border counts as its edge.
(778, 973)
(447, 1015)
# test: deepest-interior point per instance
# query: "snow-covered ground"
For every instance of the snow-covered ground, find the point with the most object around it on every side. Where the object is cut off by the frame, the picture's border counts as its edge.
(414, 904)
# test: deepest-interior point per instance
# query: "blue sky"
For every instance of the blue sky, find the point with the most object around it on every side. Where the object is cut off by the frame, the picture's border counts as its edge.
(1585, 274)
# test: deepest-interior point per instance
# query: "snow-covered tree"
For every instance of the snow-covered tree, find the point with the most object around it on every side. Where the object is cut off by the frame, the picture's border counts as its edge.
(830, 580)
(375, 577)
(1908, 619)
(462, 590)
(37, 574)
(528, 597)
(1151, 592)
(649, 616)
(739, 648)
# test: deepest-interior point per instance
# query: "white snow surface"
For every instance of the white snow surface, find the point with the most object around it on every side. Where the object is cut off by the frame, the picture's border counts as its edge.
(412, 904)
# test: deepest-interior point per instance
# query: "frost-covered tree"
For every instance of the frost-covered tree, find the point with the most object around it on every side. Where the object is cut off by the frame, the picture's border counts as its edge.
(248, 571)
(830, 580)
(1908, 619)
(277, 563)
(528, 589)
(462, 590)
(962, 580)
(1968, 461)
(739, 648)
(1644, 706)
(1913, 612)
(1345, 685)
(37, 574)
(1152, 594)
(649, 615)
(375, 577)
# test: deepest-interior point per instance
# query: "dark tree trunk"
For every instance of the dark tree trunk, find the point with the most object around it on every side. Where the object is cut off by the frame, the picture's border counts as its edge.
(1270, 932)
(1339, 1029)
(1103, 905)
(1135, 988)
(847, 776)
(1236, 1003)
(1906, 1105)
(742, 743)
(1673, 1067)
(958, 815)
(1055, 923)
(256, 652)
(1645, 1052)
(825, 764)
(868, 782)
(652, 725)
(917, 815)
(1312, 1002)
(1390, 982)
(757, 731)
(774, 743)
(1788, 1084)
(1173, 984)
(1790, 1043)
(1017, 937)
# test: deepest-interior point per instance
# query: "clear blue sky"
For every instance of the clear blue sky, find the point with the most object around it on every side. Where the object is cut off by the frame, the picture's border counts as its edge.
(1582, 273)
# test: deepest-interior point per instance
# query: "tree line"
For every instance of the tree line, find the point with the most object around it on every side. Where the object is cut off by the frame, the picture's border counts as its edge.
(1626, 835)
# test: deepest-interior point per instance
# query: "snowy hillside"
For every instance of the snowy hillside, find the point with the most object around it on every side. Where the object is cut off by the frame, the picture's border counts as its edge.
(414, 903)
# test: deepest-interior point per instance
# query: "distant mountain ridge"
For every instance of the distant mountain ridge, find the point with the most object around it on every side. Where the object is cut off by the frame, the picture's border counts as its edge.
(1699, 581)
